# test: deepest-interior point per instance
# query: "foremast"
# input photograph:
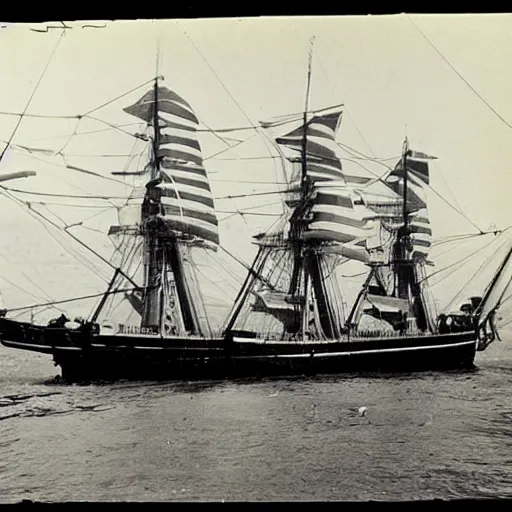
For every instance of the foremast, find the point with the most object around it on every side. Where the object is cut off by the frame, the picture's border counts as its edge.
(162, 262)
(176, 212)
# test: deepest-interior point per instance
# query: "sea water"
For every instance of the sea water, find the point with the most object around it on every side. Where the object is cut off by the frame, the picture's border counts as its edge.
(423, 436)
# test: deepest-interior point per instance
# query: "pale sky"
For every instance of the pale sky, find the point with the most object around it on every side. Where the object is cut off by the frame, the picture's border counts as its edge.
(236, 72)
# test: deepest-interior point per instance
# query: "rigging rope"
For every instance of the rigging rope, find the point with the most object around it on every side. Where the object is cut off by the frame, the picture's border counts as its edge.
(222, 139)
(270, 157)
(239, 261)
(113, 127)
(255, 214)
(379, 178)
(219, 80)
(227, 149)
(465, 258)
(53, 194)
(73, 299)
(79, 224)
(458, 238)
(38, 297)
(490, 257)
(460, 243)
(251, 182)
(345, 108)
(39, 116)
(255, 194)
(235, 285)
(74, 168)
(31, 96)
(88, 132)
(216, 284)
(118, 97)
(49, 152)
(455, 209)
(60, 228)
(215, 74)
(360, 155)
(447, 186)
(242, 211)
(359, 132)
(92, 206)
(48, 296)
(459, 74)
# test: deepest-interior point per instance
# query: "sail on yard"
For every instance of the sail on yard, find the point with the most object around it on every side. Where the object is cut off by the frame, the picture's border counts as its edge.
(334, 220)
(325, 222)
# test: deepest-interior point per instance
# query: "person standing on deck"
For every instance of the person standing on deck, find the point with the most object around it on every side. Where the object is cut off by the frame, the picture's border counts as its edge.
(402, 322)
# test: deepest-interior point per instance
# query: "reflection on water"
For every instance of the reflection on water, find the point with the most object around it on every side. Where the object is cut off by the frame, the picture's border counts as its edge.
(424, 436)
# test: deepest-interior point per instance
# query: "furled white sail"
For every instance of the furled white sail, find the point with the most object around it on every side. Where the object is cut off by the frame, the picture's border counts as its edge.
(334, 220)
(187, 203)
(388, 204)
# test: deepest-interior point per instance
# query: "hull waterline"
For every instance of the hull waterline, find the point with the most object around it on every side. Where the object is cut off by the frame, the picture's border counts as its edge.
(84, 357)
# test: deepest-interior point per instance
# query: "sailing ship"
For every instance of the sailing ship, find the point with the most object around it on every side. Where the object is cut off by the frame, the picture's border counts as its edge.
(289, 315)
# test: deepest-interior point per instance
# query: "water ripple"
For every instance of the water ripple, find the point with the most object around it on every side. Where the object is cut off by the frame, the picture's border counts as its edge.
(421, 436)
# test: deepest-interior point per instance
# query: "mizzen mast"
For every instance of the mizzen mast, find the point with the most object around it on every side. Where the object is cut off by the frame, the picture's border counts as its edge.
(401, 260)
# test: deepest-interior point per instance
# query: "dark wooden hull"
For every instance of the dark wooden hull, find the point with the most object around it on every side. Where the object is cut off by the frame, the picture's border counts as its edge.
(84, 357)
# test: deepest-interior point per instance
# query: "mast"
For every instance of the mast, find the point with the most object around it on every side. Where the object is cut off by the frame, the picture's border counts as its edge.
(162, 249)
(323, 217)
(297, 218)
(404, 164)
(401, 260)
(153, 296)
(306, 108)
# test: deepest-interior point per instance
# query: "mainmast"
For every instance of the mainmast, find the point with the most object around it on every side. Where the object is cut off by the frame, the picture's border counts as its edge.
(297, 218)
(322, 217)
(305, 131)
(307, 262)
